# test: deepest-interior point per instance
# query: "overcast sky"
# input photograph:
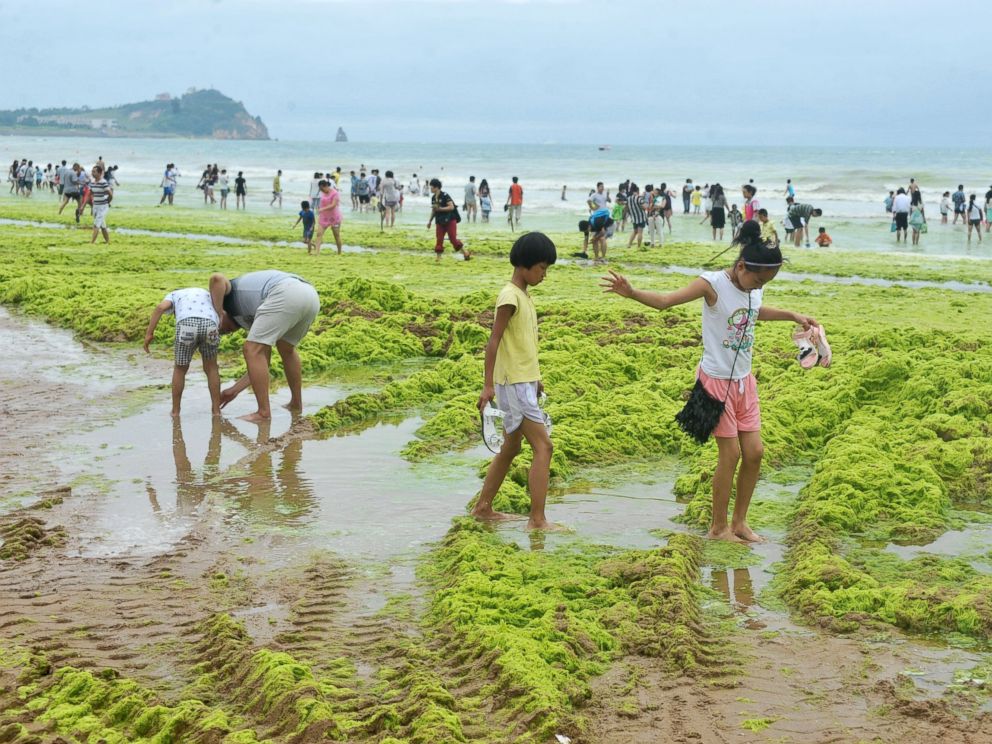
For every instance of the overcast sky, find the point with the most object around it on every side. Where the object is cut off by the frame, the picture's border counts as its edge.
(836, 72)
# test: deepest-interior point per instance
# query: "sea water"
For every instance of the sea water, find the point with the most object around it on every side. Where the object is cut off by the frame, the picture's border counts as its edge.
(849, 184)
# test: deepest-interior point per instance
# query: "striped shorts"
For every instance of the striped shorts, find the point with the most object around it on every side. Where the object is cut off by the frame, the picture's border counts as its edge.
(193, 334)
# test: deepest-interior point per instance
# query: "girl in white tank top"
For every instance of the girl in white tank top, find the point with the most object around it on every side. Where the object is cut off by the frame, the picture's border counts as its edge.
(732, 303)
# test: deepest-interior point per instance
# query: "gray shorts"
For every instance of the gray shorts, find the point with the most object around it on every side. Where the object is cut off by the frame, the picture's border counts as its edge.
(285, 314)
(193, 334)
(518, 401)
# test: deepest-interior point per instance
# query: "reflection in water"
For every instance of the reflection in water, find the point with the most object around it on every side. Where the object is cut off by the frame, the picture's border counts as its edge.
(271, 493)
(189, 489)
(739, 593)
(537, 539)
(743, 590)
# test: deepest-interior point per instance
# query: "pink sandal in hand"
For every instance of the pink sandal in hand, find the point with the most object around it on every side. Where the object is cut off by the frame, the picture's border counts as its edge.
(822, 347)
(807, 349)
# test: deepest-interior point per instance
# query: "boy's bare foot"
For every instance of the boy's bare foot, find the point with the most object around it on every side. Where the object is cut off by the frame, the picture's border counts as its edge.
(545, 526)
(746, 533)
(724, 534)
(488, 514)
(175, 414)
(291, 406)
(255, 418)
(216, 413)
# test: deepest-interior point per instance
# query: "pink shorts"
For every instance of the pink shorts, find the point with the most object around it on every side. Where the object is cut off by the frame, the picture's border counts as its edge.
(742, 412)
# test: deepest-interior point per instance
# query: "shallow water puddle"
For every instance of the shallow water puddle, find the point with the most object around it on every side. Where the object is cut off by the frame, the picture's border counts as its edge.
(54, 355)
(972, 543)
(146, 475)
(356, 496)
(206, 237)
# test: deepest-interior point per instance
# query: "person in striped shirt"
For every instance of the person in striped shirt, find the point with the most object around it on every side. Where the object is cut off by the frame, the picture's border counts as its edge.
(101, 195)
(800, 215)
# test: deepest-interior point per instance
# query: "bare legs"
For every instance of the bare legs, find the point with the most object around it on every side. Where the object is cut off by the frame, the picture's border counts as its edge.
(212, 372)
(178, 385)
(748, 449)
(321, 229)
(257, 357)
(294, 374)
(537, 479)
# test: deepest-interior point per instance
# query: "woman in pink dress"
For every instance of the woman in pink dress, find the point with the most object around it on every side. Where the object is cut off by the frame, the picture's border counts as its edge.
(328, 215)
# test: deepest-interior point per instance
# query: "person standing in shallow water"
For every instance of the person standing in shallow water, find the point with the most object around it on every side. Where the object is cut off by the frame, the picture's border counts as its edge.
(732, 303)
(240, 191)
(514, 203)
(512, 376)
(277, 309)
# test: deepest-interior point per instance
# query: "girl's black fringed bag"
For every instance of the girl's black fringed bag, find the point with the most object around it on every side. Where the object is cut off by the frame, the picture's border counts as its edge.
(701, 413)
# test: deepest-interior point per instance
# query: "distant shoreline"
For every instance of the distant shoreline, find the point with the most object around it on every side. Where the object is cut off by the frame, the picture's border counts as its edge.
(118, 134)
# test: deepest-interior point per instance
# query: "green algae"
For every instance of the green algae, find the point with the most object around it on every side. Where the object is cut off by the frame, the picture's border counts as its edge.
(88, 707)
(270, 686)
(755, 725)
(495, 241)
(721, 555)
(541, 624)
(21, 537)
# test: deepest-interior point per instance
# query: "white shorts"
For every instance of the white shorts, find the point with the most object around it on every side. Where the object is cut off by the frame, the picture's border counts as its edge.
(100, 216)
(285, 314)
(518, 401)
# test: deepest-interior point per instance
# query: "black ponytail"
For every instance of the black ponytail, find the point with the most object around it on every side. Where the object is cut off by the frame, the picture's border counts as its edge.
(756, 253)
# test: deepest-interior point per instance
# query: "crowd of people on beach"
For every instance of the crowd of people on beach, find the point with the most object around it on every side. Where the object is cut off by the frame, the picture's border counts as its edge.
(93, 189)
(644, 214)
(909, 212)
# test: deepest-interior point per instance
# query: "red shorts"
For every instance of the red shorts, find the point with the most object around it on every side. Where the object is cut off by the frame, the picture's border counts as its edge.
(742, 412)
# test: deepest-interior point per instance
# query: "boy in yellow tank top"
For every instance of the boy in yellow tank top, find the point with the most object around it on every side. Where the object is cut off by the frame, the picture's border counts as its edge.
(512, 376)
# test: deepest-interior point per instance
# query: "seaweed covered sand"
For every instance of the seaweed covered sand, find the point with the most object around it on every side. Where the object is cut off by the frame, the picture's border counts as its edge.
(495, 642)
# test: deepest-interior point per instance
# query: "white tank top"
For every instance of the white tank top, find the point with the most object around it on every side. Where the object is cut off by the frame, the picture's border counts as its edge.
(727, 327)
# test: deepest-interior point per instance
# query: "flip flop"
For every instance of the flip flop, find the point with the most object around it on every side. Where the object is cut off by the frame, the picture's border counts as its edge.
(822, 347)
(542, 401)
(808, 356)
(492, 428)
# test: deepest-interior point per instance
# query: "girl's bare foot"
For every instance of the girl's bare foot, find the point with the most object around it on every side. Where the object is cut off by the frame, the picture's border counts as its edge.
(488, 514)
(746, 533)
(724, 534)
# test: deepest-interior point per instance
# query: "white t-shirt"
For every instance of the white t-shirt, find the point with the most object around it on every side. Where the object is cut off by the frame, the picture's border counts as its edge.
(314, 189)
(192, 302)
(727, 327)
(598, 199)
(901, 203)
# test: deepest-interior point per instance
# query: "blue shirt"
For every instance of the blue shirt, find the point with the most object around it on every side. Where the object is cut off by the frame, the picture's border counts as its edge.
(307, 216)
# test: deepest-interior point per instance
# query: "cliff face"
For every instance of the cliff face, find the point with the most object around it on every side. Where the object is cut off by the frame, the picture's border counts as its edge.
(198, 113)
